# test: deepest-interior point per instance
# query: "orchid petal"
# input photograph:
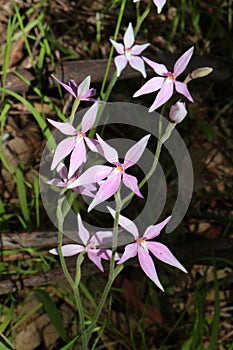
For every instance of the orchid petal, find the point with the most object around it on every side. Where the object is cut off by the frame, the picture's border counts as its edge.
(106, 151)
(159, 68)
(56, 182)
(137, 49)
(62, 171)
(92, 255)
(87, 97)
(106, 254)
(89, 118)
(119, 47)
(120, 62)
(138, 64)
(74, 87)
(82, 231)
(67, 87)
(78, 156)
(129, 37)
(163, 95)
(154, 230)
(101, 238)
(68, 250)
(132, 183)
(182, 62)
(164, 254)
(151, 85)
(62, 150)
(84, 87)
(106, 190)
(159, 4)
(183, 89)
(148, 266)
(126, 223)
(92, 144)
(94, 174)
(135, 152)
(65, 128)
(130, 252)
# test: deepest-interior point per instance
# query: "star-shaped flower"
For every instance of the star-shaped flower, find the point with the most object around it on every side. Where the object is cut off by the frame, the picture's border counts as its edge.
(142, 247)
(90, 246)
(76, 143)
(82, 91)
(167, 81)
(64, 182)
(114, 174)
(129, 53)
(158, 3)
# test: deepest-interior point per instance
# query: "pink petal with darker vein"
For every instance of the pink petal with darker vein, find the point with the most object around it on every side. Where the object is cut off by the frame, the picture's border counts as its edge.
(183, 89)
(164, 254)
(148, 267)
(159, 68)
(63, 149)
(154, 230)
(82, 231)
(106, 190)
(92, 175)
(132, 183)
(163, 95)
(151, 85)
(135, 152)
(89, 118)
(130, 252)
(65, 128)
(78, 156)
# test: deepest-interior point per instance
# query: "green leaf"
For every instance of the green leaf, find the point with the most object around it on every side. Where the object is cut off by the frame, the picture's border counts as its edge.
(52, 312)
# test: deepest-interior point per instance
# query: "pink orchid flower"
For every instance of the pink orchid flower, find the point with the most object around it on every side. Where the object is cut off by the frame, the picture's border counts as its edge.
(76, 143)
(129, 53)
(114, 175)
(158, 3)
(81, 92)
(90, 246)
(143, 247)
(166, 82)
(64, 182)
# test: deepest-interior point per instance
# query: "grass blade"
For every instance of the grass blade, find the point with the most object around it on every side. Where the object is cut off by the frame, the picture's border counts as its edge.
(52, 312)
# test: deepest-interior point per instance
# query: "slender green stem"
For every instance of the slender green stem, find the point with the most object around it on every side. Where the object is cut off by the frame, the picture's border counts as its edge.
(113, 272)
(74, 109)
(122, 9)
(141, 18)
(78, 300)
(60, 218)
(103, 298)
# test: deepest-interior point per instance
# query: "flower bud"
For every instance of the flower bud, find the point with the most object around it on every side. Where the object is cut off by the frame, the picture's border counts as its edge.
(178, 112)
(198, 73)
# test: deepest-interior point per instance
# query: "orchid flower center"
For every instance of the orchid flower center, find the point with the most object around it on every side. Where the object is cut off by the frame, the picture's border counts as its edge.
(80, 134)
(119, 166)
(143, 244)
(89, 246)
(127, 53)
(170, 75)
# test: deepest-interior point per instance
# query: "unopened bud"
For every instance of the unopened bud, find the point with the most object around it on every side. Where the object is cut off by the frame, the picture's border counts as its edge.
(178, 112)
(198, 73)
